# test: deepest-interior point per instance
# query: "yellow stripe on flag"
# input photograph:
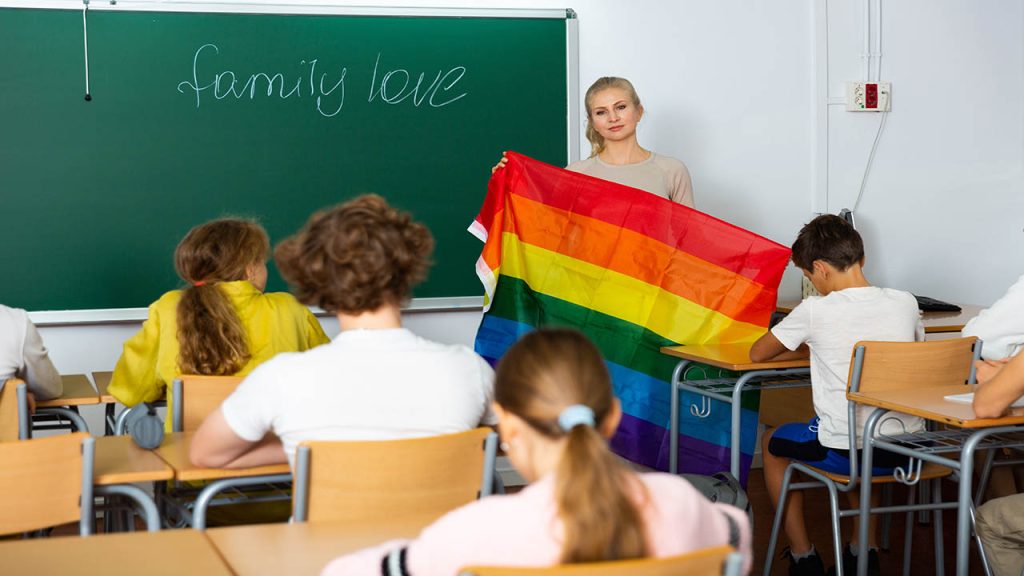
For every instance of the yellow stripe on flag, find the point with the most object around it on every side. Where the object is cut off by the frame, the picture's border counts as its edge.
(620, 296)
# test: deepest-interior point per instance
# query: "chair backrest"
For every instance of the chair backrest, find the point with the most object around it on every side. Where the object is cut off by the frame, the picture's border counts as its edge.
(193, 398)
(708, 562)
(880, 366)
(46, 482)
(902, 365)
(412, 478)
(14, 418)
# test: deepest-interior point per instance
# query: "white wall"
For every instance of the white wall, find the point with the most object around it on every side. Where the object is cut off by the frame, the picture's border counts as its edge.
(731, 88)
(943, 213)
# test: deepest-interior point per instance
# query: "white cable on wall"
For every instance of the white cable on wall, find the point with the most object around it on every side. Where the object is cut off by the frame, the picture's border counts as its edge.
(877, 57)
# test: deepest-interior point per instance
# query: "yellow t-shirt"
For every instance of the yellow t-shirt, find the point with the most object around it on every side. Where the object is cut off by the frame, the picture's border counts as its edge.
(274, 322)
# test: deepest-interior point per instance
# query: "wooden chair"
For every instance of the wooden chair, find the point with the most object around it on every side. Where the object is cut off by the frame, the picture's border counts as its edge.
(46, 482)
(14, 418)
(708, 562)
(204, 395)
(887, 366)
(370, 480)
(193, 398)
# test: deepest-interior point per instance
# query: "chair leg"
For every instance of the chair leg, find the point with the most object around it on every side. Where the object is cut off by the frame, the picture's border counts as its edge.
(981, 547)
(908, 534)
(940, 559)
(780, 510)
(837, 536)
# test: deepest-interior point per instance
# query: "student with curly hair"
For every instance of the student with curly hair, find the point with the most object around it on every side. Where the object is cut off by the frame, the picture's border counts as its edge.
(376, 380)
(221, 323)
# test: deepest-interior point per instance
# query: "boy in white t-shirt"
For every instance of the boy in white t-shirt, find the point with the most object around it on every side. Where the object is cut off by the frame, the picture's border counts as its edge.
(831, 255)
(376, 380)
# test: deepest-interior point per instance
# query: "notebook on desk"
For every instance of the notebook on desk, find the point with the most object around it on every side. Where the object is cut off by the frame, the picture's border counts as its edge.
(969, 398)
(926, 304)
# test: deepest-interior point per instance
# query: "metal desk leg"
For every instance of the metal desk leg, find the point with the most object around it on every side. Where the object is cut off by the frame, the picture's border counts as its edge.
(963, 511)
(673, 428)
(140, 497)
(865, 489)
(737, 410)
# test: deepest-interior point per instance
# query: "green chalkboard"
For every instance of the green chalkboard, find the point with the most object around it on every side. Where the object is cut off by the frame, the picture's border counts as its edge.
(198, 115)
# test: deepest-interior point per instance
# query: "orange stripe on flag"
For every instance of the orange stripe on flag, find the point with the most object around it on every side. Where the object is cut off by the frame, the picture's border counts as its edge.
(646, 259)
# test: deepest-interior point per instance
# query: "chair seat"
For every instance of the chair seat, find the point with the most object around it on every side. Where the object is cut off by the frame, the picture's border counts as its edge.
(929, 471)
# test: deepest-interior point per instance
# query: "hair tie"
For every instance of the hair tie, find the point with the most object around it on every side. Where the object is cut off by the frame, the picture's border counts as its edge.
(575, 415)
(198, 284)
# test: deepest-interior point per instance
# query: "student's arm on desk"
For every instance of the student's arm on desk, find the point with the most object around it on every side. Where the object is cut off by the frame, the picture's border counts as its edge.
(1001, 385)
(769, 348)
(216, 445)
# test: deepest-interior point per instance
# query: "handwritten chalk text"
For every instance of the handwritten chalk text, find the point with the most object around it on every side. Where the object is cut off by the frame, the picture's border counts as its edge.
(391, 86)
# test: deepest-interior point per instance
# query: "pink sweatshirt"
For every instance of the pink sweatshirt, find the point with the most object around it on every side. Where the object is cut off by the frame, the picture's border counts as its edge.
(523, 530)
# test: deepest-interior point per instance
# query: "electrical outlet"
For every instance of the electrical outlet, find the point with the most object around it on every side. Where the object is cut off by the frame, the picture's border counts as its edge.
(868, 96)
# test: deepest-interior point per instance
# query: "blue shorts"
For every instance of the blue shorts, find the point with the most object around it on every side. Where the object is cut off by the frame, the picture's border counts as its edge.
(799, 441)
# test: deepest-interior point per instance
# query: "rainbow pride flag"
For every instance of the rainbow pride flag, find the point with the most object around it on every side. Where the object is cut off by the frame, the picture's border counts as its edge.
(634, 272)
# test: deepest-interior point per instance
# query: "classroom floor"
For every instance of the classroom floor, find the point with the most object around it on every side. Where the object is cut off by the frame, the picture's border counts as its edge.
(817, 507)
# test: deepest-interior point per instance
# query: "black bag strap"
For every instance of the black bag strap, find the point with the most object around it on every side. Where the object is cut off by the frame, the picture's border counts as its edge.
(734, 531)
(393, 564)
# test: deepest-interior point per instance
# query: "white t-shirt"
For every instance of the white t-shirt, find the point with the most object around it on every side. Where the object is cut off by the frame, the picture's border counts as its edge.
(1001, 327)
(364, 385)
(831, 325)
(22, 355)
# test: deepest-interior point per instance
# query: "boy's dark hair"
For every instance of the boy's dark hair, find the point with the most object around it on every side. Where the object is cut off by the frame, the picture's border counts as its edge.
(830, 238)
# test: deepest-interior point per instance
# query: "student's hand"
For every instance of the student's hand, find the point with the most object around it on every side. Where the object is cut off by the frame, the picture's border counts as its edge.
(31, 403)
(985, 370)
(501, 163)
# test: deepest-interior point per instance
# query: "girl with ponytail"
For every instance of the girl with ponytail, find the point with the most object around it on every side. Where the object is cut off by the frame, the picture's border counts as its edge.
(556, 411)
(221, 323)
(613, 114)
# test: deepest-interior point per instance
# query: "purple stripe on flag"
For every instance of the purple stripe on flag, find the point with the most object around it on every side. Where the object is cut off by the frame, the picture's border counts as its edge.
(647, 444)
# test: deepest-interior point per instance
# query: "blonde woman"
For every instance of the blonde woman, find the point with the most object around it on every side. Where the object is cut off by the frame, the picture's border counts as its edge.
(556, 410)
(613, 113)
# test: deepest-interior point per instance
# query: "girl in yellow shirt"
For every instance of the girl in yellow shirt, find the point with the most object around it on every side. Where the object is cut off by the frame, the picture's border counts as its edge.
(221, 323)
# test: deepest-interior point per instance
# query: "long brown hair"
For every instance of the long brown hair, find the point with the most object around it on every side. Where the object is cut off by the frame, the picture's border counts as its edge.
(211, 337)
(601, 84)
(545, 372)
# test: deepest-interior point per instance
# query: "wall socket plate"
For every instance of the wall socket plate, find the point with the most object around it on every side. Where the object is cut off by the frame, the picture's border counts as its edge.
(868, 96)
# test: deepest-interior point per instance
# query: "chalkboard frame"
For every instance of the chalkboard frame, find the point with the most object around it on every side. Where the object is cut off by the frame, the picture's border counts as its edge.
(435, 304)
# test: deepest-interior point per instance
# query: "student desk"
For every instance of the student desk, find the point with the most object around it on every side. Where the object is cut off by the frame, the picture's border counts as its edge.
(77, 392)
(118, 464)
(120, 461)
(755, 376)
(102, 380)
(934, 322)
(170, 553)
(302, 549)
(963, 432)
(174, 451)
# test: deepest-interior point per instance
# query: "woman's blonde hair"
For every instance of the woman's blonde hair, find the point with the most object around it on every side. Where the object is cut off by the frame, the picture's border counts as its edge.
(545, 372)
(600, 85)
(211, 337)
